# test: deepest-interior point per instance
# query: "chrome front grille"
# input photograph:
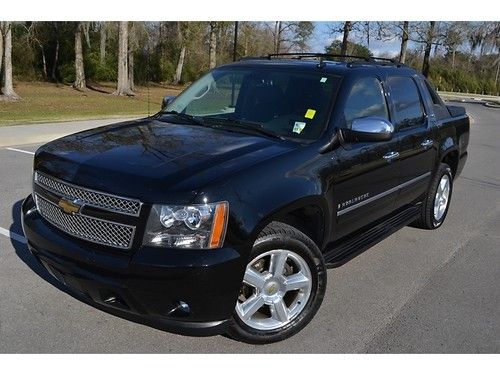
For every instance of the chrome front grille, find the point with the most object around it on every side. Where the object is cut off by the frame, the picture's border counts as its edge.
(85, 227)
(82, 223)
(90, 197)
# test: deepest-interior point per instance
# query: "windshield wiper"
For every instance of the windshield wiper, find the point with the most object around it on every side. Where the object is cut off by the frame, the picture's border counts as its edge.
(247, 125)
(190, 118)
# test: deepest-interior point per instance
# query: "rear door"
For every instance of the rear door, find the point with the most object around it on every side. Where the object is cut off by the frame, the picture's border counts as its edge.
(364, 186)
(415, 133)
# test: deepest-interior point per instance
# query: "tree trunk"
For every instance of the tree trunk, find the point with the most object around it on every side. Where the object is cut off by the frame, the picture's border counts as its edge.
(79, 68)
(482, 48)
(404, 42)
(428, 47)
(180, 65)
(498, 69)
(132, 43)
(56, 53)
(44, 62)
(102, 49)
(453, 53)
(212, 49)
(277, 37)
(345, 38)
(131, 69)
(1, 48)
(86, 32)
(235, 44)
(8, 88)
(123, 85)
(56, 61)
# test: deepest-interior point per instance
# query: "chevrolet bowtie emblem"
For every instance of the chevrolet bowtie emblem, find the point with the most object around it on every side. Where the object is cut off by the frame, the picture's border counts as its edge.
(69, 207)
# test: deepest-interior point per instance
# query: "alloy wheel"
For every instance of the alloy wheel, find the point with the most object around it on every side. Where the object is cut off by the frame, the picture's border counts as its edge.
(442, 197)
(276, 288)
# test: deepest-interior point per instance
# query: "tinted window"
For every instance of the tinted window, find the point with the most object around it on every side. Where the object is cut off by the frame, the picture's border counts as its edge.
(408, 106)
(292, 104)
(433, 94)
(438, 105)
(365, 99)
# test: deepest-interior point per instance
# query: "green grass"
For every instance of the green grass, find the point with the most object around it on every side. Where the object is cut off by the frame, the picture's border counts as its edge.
(45, 102)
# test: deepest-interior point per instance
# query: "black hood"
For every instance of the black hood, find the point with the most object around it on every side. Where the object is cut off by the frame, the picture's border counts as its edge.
(147, 158)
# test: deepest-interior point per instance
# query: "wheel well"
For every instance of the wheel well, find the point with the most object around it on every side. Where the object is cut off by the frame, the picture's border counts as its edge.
(452, 160)
(309, 220)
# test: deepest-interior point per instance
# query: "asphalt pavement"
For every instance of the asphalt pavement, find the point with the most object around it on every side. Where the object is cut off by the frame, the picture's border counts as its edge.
(417, 291)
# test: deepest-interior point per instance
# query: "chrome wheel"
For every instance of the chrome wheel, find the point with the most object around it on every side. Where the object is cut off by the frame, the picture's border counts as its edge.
(442, 197)
(276, 287)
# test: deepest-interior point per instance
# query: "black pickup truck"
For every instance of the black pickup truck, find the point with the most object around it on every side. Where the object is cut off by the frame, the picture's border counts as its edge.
(222, 212)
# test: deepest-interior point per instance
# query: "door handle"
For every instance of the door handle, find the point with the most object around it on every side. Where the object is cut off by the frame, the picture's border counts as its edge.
(391, 155)
(427, 143)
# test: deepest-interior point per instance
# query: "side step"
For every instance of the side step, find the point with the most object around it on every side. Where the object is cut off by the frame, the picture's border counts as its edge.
(344, 251)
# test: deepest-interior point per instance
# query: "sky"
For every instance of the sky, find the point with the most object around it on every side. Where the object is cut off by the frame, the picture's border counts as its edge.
(322, 37)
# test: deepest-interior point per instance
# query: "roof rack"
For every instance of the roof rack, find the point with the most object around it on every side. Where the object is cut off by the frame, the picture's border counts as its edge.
(323, 56)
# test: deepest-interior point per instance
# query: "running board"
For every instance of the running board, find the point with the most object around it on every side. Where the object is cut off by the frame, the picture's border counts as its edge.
(341, 253)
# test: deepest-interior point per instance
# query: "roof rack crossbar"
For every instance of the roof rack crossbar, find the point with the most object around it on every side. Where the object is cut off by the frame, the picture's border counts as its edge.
(330, 55)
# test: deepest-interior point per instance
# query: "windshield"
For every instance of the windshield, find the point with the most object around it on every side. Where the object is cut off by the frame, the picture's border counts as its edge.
(285, 103)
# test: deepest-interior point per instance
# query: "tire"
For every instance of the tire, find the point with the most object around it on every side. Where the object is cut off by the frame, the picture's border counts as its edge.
(432, 217)
(288, 274)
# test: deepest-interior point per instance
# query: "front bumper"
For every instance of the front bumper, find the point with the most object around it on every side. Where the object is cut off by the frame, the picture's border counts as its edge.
(185, 291)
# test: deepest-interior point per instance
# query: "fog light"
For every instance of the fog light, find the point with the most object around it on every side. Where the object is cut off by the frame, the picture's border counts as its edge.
(180, 310)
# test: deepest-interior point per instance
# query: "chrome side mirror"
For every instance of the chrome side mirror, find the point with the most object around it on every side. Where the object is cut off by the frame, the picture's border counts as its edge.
(370, 129)
(167, 100)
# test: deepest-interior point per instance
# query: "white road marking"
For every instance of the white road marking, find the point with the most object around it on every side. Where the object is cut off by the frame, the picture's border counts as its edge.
(471, 119)
(18, 150)
(13, 235)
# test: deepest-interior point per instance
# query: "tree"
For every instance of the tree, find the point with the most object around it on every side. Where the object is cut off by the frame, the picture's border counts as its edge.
(405, 35)
(132, 46)
(102, 44)
(182, 53)
(454, 37)
(277, 36)
(123, 85)
(352, 49)
(428, 47)
(345, 29)
(345, 37)
(79, 83)
(1, 47)
(8, 92)
(56, 53)
(388, 31)
(475, 36)
(292, 36)
(212, 47)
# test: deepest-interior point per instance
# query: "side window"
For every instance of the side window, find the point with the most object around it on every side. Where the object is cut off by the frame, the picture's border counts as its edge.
(438, 105)
(409, 110)
(365, 99)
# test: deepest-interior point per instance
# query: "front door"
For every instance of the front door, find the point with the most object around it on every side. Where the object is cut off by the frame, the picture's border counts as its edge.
(365, 184)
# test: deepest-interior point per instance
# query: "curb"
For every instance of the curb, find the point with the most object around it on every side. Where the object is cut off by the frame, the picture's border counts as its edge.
(492, 105)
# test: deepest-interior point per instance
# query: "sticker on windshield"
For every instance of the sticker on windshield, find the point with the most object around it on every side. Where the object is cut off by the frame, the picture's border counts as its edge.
(298, 127)
(310, 113)
(323, 79)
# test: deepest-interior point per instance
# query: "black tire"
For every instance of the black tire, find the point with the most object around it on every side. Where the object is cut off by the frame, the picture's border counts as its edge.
(427, 220)
(282, 236)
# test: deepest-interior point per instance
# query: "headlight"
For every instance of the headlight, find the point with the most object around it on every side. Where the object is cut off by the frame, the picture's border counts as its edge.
(200, 226)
